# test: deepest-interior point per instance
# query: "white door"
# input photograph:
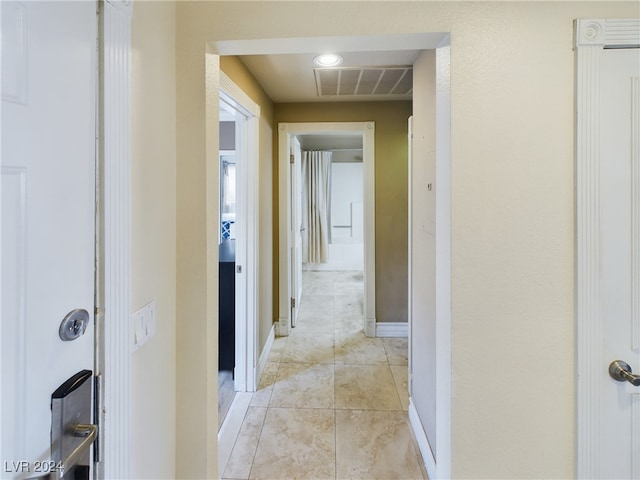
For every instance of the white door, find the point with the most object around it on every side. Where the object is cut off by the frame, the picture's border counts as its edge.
(297, 229)
(620, 260)
(48, 188)
(241, 236)
(422, 283)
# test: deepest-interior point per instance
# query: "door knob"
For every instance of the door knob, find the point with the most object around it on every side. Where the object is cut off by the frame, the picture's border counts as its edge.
(621, 371)
(73, 324)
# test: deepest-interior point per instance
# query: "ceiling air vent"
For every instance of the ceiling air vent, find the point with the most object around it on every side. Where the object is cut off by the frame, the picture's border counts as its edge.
(364, 81)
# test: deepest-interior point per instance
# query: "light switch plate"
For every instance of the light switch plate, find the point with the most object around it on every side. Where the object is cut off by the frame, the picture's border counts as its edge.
(144, 325)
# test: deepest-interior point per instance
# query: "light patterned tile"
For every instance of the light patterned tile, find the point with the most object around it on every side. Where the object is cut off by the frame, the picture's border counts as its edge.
(316, 348)
(356, 349)
(348, 288)
(262, 396)
(375, 445)
(348, 305)
(349, 324)
(401, 379)
(317, 304)
(318, 287)
(366, 387)
(314, 323)
(311, 276)
(397, 350)
(239, 464)
(301, 385)
(277, 348)
(304, 385)
(296, 443)
(356, 276)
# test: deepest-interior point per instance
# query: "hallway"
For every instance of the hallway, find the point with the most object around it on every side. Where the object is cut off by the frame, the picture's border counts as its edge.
(332, 403)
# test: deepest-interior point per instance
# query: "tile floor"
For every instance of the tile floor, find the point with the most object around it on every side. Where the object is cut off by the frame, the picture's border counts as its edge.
(332, 403)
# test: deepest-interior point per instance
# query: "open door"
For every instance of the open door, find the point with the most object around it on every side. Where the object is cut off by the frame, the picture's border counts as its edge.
(242, 226)
(48, 223)
(297, 229)
(430, 261)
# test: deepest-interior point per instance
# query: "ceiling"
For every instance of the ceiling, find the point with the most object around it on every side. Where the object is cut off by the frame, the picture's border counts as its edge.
(284, 67)
(294, 78)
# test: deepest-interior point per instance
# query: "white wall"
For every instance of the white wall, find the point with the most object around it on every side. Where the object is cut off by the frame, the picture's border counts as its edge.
(347, 202)
(153, 376)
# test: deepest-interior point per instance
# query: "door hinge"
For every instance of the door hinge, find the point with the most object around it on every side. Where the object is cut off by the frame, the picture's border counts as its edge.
(292, 158)
(293, 303)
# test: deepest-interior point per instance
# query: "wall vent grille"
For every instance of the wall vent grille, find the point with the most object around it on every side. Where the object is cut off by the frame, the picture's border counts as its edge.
(364, 81)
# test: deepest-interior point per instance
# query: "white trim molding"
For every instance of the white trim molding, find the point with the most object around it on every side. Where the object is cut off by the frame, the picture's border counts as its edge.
(635, 214)
(635, 266)
(264, 356)
(285, 132)
(423, 443)
(124, 6)
(588, 327)
(230, 429)
(115, 234)
(392, 329)
(229, 87)
(607, 33)
(635, 433)
(591, 37)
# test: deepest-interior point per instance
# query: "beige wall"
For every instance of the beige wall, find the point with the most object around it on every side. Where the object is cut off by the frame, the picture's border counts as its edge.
(236, 70)
(512, 212)
(153, 376)
(391, 189)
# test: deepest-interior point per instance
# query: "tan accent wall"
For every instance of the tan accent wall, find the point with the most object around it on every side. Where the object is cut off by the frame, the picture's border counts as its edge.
(267, 261)
(153, 222)
(391, 149)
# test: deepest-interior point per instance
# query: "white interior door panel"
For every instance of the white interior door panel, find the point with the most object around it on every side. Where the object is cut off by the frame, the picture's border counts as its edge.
(48, 205)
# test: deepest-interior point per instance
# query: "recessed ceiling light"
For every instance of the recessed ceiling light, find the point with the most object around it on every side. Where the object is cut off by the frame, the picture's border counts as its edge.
(328, 60)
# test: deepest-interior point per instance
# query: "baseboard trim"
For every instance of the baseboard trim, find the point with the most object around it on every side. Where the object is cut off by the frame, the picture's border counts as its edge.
(280, 327)
(230, 428)
(392, 329)
(264, 356)
(423, 443)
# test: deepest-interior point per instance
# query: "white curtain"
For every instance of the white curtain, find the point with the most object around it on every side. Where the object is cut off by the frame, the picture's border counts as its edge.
(316, 194)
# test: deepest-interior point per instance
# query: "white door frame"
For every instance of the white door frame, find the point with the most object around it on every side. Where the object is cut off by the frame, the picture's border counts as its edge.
(113, 266)
(245, 374)
(285, 132)
(591, 37)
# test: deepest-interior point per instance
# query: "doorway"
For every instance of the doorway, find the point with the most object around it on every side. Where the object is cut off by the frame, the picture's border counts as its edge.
(290, 257)
(286, 131)
(345, 202)
(236, 227)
